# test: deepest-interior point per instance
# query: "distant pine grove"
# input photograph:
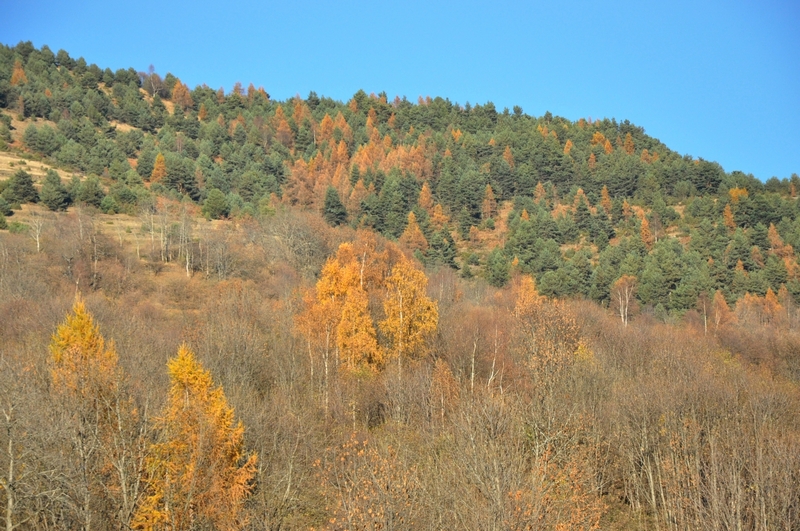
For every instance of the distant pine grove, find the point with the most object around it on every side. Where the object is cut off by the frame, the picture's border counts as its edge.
(577, 204)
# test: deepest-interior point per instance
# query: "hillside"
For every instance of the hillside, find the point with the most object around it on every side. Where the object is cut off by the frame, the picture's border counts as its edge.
(220, 311)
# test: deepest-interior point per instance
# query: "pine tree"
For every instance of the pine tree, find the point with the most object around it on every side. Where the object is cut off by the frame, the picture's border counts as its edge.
(54, 194)
(20, 189)
(334, 211)
(199, 475)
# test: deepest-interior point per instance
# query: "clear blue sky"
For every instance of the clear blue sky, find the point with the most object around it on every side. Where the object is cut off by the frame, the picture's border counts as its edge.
(717, 80)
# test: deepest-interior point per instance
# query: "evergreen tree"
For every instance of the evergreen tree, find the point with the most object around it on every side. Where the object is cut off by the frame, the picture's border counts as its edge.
(54, 194)
(334, 211)
(497, 268)
(19, 189)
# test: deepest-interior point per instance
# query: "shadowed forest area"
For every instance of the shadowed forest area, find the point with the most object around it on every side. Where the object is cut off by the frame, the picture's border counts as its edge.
(221, 311)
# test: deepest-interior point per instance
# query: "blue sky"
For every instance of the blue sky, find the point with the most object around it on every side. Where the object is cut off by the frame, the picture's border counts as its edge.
(717, 80)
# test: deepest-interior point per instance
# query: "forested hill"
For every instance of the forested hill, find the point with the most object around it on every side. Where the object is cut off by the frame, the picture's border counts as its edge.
(577, 204)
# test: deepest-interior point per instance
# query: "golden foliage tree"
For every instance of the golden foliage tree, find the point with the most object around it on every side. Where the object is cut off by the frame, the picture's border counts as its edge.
(628, 144)
(18, 74)
(181, 96)
(412, 237)
(508, 156)
(568, 146)
(646, 234)
(199, 474)
(426, 198)
(159, 169)
(727, 218)
(489, 204)
(355, 336)
(85, 379)
(605, 200)
(411, 316)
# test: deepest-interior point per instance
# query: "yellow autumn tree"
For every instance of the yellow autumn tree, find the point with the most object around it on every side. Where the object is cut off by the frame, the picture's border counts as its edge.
(356, 337)
(181, 96)
(727, 218)
(199, 475)
(413, 238)
(605, 200)
(628, 144)
(85, 381)
(159, 169)
(18, 76)
(489, 204)
(81, 364)
(646, 234)
(426, 198)
(411, 316)
(508, 156)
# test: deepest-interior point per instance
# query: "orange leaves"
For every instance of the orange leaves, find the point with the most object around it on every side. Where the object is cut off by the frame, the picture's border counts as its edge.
(81, 364)
(489, 204)
(200, 474)
(628, 144)
(18, 76)
(412, 238)
(411, 317)
(337, 313)
(508, 156)
(605, 200)
(737, 193)
(159, 169)
(181, 96)
(568, 147)
(646, 234)
(426, 198)
(356, 338)
(727, 218)
(283, 132)
(456, 134)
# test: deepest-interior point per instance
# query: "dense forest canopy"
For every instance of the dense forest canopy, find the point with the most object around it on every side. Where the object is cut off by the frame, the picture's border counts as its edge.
(378, 314)
(582, 202)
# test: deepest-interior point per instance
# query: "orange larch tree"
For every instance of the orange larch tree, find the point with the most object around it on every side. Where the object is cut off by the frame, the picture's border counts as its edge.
(411, 316)
(646, 234)
(628, 144)
(199, 474)
(605, 200)
(489, 204)
(412, 238)
(159, 169)
(727, 218)
(426, 198)
(18, 76)
(508, 156)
